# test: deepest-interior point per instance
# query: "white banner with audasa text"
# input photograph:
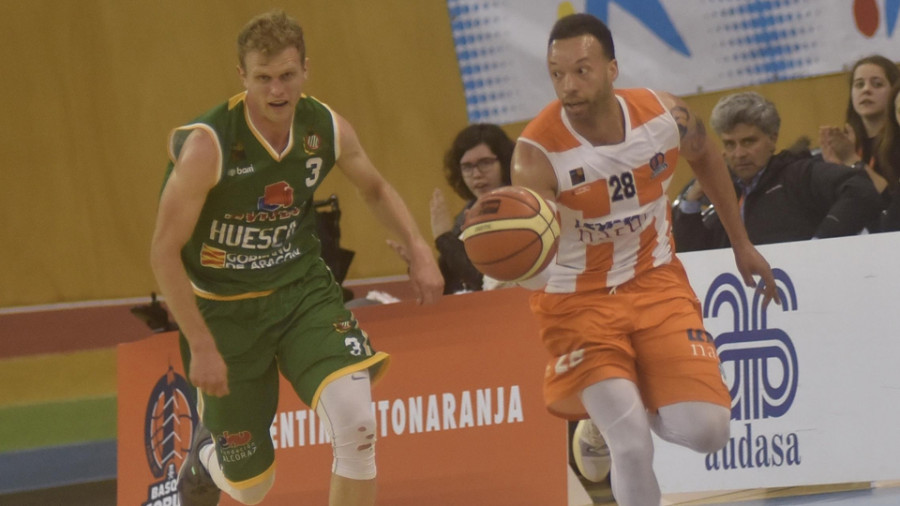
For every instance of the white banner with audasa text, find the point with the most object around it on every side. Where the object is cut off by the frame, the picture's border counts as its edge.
(815, 381)
(679, 46)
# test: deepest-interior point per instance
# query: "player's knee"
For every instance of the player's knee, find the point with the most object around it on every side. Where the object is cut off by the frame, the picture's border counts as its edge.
(629, 439)
(700, 426)
(255, 493)
(633, 449)
(711, 433)
(716, 434)
(354, 450)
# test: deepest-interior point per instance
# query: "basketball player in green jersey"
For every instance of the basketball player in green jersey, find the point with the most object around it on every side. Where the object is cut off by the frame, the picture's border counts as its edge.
(236, 256)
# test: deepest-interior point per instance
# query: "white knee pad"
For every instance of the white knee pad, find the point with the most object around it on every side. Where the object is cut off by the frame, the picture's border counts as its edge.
(354, 451)
(345, 407)
(253, 494)
(701, 426)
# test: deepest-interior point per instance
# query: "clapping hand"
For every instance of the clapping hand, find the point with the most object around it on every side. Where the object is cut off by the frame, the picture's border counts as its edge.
(838, 144)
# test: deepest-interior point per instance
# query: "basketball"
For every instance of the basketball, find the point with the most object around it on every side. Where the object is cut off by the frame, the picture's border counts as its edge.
(510, 234)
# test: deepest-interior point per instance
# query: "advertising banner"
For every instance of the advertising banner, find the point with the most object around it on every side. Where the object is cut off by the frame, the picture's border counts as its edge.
(814, 381)
(461, 420)
(460, 413)
(680, 46)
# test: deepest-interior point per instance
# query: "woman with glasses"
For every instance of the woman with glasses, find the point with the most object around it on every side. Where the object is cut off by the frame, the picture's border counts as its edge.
(476, 163)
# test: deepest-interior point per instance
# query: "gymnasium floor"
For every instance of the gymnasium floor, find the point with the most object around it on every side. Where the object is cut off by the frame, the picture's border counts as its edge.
(843, 494)
(879, 496)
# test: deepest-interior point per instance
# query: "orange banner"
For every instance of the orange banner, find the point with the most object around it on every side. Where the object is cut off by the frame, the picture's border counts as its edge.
(460, 413)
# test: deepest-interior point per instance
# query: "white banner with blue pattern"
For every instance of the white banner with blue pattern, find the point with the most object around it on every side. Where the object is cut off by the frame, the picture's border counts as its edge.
(680, 46)
(814, 381)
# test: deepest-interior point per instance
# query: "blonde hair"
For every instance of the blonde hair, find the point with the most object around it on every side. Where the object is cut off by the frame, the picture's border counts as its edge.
(271, 33)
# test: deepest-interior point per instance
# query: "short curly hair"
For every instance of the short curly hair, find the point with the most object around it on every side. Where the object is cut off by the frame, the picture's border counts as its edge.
(480, 133)
(271, 33)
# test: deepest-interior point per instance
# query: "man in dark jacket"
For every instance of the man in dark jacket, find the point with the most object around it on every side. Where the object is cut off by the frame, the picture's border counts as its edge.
(783, 197)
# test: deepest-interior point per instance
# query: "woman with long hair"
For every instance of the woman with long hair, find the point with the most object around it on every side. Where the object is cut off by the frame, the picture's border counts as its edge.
(856, 144)
(889, 160)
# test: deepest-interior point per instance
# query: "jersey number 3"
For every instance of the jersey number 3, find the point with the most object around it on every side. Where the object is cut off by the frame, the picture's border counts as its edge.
(314, 165)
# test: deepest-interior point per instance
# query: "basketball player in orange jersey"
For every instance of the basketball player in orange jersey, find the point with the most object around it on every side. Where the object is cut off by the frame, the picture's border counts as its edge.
(617, 313)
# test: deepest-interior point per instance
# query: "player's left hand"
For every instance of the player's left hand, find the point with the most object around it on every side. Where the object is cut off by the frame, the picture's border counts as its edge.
(749, 263)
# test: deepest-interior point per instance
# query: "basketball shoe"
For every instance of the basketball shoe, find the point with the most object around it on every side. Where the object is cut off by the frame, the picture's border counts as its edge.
(590, 451)
(195, 486)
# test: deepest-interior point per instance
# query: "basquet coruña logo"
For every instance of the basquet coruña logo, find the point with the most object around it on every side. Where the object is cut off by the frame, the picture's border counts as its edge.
(168, 427)
(761, 369)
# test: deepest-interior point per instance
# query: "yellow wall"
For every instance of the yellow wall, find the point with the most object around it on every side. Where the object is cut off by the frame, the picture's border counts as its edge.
(91, 89)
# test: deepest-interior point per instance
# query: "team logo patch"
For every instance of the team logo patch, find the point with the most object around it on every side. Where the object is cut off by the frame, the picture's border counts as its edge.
(168, 427)
(658, 164)
(276, 196)
(344, 326)
(577, 175)
(237, 153)
(311, 143)
(212, 257)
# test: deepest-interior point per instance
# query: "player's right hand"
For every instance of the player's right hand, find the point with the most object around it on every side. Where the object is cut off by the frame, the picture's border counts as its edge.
(209, 372)
(424, 274)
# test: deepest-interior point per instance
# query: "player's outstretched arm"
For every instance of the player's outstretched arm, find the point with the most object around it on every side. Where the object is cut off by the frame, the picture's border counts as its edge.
(531, 169)
(388, 207)
(182, 199)
(708, 165)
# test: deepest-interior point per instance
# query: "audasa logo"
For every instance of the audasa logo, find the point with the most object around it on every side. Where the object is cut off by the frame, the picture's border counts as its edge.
(168, 427)
(762, 368)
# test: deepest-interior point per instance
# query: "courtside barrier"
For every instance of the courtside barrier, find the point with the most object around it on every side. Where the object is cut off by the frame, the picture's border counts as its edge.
(460, 414)
(814, 381)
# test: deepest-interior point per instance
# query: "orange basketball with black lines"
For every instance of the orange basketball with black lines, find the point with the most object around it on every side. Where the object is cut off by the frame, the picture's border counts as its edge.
(511, 234)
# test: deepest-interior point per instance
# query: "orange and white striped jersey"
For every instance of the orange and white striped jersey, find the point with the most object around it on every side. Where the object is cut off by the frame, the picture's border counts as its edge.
(615, 217)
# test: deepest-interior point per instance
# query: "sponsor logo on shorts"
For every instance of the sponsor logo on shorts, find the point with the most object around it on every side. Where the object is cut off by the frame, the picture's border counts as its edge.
(228, 440)
(236, 446)
(762, 373)
(168, 427)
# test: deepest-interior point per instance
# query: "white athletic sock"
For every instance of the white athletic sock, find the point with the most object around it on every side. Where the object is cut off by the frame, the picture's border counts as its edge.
(209, 461)
(250, 495)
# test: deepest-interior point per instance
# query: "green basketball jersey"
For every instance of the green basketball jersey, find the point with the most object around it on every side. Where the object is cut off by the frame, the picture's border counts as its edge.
(257, 229)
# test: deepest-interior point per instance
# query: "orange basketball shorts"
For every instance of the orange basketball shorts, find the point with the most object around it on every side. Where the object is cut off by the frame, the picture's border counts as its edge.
(648, 330)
